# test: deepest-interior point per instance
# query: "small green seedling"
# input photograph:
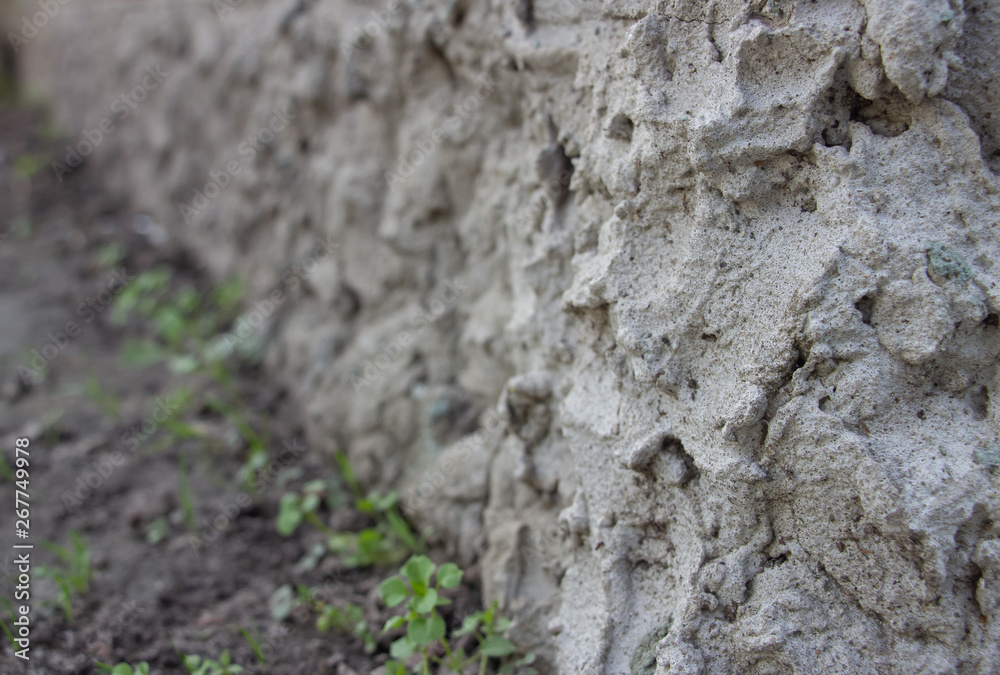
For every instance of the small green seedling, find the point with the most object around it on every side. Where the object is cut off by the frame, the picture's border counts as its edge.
(108, 403)
(157, 531)
(6, 472)
(198, 665)
(257, 455)
(184, 492)
(349, 618)
(27, 165)
(298, 506)
(253, 639)
(386, 543)
(123, 668)
(8, 612)
(425, 628)
(73, 574)
(110, 255)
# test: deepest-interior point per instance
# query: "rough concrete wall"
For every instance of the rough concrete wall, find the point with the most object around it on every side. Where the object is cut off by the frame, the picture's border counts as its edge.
(727, 269)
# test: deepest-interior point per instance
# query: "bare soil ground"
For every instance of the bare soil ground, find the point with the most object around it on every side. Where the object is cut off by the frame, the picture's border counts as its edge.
(108, 478)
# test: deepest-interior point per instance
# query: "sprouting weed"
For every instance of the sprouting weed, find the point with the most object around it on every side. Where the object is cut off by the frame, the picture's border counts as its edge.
(72, 576)
(199, 665)
(110, 255)
(388, 542)
(108, 403)
(253, 639)
(184, 492)
(6, 472)
(187, 329)
(27, 165)
(418, 588)
(347, 618)
(8, 612)
(123, 668)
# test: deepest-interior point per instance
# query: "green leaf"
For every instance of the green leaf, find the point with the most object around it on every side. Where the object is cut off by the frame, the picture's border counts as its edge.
(496, 646)
(393, 667)
(425, 603)
(449, 575)
(141, 353)
(393, 623)
(418, 570)
(348, 473)
(289, 515)
(469, 624)
(425, 630)
(393, 591)
(310, 502)
(341, 542)
(170, 324)
(282, 602)
(402, 530)
(142, 669)
(314, 486)
(122, 669)
(370, 540)
(182, 365)
(402, 648)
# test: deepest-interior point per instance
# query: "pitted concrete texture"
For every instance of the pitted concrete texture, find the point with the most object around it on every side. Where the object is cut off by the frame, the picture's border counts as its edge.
(680, 317)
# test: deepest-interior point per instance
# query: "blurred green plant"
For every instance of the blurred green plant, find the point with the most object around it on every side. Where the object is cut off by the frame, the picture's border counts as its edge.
(188, 333)
(157, 531)
(108, 403)
(198, 665)
(387, 542)
(109, 255)
(123, 668)
(8, 615)
(72, 574)
(6, 472)
(184, 493)
(28, 164)
(253, 639)
(346, 618)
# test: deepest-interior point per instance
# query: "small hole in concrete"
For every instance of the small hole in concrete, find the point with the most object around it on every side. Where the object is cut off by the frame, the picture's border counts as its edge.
(864, 306)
